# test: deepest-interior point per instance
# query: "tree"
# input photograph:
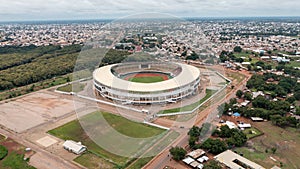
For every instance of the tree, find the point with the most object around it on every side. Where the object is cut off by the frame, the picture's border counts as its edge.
(237, 49)
(291, 99)
(297, 95)
(3, 152)
(178, 153)
(194, 131)
(273, 149)
(212, 165)
(239, 93)
(248, 96)
(249, 67)
(192, 142)
(215, 146)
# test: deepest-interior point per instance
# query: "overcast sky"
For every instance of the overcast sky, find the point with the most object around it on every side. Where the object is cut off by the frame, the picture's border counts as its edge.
(14, 10)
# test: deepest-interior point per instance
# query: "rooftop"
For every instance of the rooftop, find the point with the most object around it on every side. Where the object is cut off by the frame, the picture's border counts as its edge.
(229, 159)
(106, 77)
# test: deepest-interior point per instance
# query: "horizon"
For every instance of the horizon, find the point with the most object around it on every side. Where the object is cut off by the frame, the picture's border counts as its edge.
(33, 10)
(185, 18)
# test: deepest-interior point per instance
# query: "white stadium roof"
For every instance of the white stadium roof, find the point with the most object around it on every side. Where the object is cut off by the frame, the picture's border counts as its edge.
(105, 76)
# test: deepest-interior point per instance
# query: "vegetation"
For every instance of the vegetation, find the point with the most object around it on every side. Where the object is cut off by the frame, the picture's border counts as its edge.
(92, 161)
(214, 146)
(150, 79)
(239, 93)
(252, 132)
(75, 87)
(3, 152)
(237, 49)
(30, 68)
(285, 140)
(234, 137)
(212, 165)
(74, 131)
(15, 161)
(139, 163)
(191, 106)
(178, 153)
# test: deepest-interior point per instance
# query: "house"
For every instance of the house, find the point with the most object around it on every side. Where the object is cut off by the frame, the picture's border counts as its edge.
(244, 125)
(230, 124)
(257, 119)
(188, 160)
(200, 166)
(194, 164)
(75, 147)
(203, 159)
(235, 161)
(256, 94)
(196, 153)
(245, 103)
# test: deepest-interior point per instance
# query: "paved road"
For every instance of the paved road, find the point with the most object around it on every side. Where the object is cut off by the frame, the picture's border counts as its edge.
(163, 158)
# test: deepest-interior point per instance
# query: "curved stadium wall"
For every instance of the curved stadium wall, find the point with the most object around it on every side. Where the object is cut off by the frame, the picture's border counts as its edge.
(183, 81)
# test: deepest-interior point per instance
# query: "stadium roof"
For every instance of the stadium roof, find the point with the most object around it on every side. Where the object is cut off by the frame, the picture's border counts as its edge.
(104, 76)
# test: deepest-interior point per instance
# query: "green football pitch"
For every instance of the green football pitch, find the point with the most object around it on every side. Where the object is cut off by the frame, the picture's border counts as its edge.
(149, 79)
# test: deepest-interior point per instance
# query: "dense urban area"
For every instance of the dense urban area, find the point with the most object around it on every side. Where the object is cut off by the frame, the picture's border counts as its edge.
(45, 66)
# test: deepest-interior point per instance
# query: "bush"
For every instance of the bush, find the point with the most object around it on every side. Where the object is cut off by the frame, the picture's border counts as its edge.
(3, 152)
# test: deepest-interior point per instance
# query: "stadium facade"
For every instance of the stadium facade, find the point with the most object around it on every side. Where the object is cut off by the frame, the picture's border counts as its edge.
(110, 82)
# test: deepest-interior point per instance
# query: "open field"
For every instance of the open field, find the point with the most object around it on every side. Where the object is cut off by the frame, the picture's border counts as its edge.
(34, 109)
(15, 157)
(286, 142)
(191, 106)
(74, 131)
(92, 161)
(75, 87)
(236, 76)
(150, 79)
(252, 132)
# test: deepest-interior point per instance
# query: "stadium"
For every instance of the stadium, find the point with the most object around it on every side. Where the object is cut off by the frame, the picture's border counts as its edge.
(146, 83)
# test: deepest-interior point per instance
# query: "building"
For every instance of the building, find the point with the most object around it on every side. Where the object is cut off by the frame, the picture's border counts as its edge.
(111, 82)
(235, 161)
(257, 119)
(188, 160)
(74, 147)
(244, 125)
(196, 153)
(230, 124)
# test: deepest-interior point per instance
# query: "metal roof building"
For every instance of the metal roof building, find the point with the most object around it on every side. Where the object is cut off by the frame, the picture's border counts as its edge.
(235, 161)
(75, 147)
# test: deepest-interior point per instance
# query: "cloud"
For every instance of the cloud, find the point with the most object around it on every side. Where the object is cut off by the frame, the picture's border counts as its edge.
(74, 9)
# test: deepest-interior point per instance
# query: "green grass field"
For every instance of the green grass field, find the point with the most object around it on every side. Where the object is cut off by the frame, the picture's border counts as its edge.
(92, 161)
(191, 106)
(15, 161)
(286, 141)
(74, 131)
(150, 79)
(76, 87)
(252, 132)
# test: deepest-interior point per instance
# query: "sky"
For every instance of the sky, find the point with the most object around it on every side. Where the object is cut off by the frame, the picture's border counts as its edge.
(19, 10)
